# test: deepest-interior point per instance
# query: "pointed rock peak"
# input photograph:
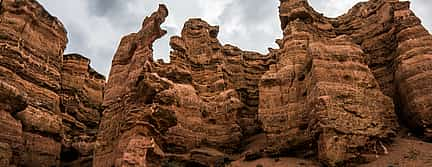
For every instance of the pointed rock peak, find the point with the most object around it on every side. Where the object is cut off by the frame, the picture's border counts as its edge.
(159, 15)
(197, 38)
(196, 27)
(151, 26)
(290, 10)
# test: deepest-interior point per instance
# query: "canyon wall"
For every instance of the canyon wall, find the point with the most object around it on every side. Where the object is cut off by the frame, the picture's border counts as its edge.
(334, 89)
(49, 103)
(337, 92)
(201, 105)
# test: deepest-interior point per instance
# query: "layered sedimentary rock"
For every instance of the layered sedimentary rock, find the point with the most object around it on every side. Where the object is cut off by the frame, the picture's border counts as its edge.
(413, 71)
(195, 110)
(126, 134)
(34, 83)
(352, 65)
(333, 89)
(81, 101)
(32, 44)
(332, 92)
(397, 49)
(321, 93)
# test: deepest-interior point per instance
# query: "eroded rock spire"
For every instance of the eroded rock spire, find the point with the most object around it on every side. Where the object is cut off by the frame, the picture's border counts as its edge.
(333, 94)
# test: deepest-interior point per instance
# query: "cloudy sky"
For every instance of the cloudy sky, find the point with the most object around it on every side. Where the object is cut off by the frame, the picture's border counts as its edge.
(96, 26)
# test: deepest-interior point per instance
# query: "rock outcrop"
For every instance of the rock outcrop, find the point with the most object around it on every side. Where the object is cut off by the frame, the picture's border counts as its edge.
(32, 44)
(334, 93)
(48, 102)
(126, 134)
(321, 93)
(333, 89)
(200, 106)
(81, 102)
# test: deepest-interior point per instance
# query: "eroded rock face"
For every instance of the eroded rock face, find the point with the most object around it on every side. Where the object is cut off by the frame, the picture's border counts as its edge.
(333, 91)
(130, 121)
(81, 99)
(49, 103)
(32, 44)
(334, 86)
(195, 110)
(322, 93)
(413, 71)
(352, 69)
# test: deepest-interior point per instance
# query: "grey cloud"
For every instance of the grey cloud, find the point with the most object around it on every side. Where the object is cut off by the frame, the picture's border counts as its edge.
(95, 27)
(161, 46)
(101, 63)
(107, 7)
(254, 11)
(77, 38)
(257, 26)
(79, 43)
(423, 9)
(118, 12)
(318, 3)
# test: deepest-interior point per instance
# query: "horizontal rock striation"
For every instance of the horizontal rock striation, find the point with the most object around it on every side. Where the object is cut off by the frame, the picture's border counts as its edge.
(81, 99)
(413, 71)
(131, 123)
(32, 44)
(322, 92)
(333, 89)
(202, 104)
(34, 80)
(332, 94)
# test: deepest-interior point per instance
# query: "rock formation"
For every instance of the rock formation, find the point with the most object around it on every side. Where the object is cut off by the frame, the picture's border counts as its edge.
(337, 92)
(49, 103)
(81, 102)
(330, 90)
(200, 106)
(321, 92)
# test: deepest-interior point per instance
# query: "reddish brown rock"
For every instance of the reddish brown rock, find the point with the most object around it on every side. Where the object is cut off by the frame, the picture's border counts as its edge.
(35, 84)
(12, 100)
(32, 43)
(329, 88)
(195, 110)
(41, 151)
(6, 154)
(332, 93)
(128, 99)
(82, 95)
(321, 93)
(11, 140)
(413, 70)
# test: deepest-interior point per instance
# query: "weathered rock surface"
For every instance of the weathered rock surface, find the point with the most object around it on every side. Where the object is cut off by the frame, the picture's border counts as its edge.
(332, 94)
(195, 110)
(321, 92)
(81, 101)
(131, 123)
(49, 103)
(333, 89)
(32, 43)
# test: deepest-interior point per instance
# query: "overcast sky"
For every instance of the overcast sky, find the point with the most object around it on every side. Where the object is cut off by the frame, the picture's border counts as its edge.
(96, 26)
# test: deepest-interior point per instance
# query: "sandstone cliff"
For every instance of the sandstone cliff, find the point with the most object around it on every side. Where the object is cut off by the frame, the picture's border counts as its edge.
(337, 92)
(81, 103)
(333, 90)
(49, 103)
